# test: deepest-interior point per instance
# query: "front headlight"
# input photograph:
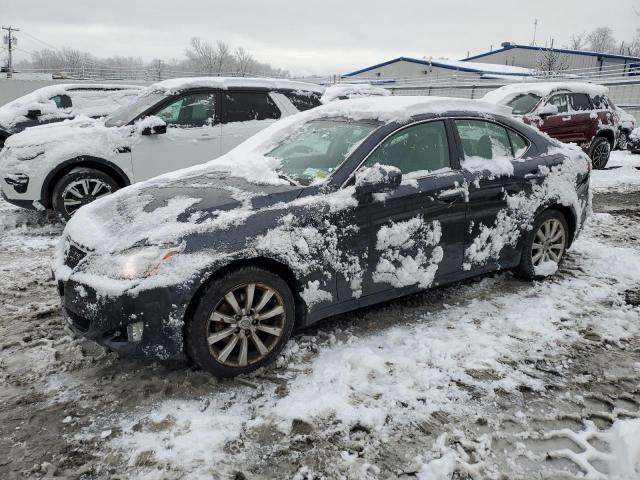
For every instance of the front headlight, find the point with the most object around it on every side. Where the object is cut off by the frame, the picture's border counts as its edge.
(132, 264)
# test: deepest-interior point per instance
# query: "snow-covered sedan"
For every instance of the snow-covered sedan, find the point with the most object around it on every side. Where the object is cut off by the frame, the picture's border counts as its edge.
(56, 103)
(171, 125)
(347, 205)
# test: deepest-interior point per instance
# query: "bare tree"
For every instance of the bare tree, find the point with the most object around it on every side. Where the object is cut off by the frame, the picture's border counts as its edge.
(577, 41)
(244, 61)
(551, 62)
(601, 40)
(223, 57)
(202, 54)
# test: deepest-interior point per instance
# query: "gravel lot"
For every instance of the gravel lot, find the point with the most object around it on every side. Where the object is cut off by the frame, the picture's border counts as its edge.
(491, 378)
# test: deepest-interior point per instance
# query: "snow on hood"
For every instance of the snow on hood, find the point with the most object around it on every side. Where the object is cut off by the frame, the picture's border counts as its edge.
(504, 95)
(93, 103)
(175, 85)
(352, 90)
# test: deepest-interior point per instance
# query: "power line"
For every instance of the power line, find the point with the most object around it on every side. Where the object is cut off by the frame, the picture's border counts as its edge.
(34, 38)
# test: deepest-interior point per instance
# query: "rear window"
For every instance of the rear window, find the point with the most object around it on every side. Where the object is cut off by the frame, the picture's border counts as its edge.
(303, 100)
(62, 101)
(523, 103)
(579, 102)
(245, 106)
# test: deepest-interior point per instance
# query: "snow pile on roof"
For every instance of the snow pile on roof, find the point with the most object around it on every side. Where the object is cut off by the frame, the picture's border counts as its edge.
(352, 90)
(504, 95)
(99, 102)
(176, 85)
(483, 67)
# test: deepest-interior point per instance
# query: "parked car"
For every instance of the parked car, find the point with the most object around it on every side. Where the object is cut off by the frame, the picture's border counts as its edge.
(347, 205)
(634, 141)
(571, 112)
(171, 125)
(346, 91)
(56, 103)
(627, 125)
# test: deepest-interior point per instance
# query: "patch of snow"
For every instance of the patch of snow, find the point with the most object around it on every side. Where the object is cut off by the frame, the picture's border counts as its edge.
(352, 90)
(546, 269)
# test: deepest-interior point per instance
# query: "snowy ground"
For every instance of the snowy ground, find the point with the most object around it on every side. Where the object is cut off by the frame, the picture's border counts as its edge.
(491, 378)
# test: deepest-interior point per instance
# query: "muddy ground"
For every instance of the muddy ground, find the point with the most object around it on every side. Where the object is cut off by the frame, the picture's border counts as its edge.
(62, 399)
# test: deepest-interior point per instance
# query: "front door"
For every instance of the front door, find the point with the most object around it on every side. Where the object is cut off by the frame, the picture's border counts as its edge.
(415, 234)
(192, 137)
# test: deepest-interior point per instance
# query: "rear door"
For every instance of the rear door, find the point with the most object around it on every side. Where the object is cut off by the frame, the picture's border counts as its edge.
(192, 137)
(487, 152)
(245, 113)
(414, 234)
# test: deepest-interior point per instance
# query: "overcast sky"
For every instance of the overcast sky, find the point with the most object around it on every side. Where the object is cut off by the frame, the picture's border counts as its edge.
(319, 37)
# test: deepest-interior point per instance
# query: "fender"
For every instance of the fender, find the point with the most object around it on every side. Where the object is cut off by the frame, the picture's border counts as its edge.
(83, 161)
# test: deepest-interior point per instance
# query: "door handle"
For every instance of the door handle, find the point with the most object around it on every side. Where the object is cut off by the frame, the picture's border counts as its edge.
(534, 176)
(450, 196)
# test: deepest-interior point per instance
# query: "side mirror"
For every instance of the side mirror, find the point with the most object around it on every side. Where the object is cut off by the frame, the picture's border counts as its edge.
(377, 179)
(547, 111)
(34, 113)
(155, 130)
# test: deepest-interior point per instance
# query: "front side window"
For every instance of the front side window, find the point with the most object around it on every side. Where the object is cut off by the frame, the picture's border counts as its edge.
(560, 101)
(523, 104)
(195, 110)
(579, 102)
(304, 100)
(418, 148)
(245, 106)
(484, 140)
(316, 148)
(62, 101)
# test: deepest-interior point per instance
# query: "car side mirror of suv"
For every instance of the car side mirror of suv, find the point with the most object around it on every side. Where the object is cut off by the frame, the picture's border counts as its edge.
(157, 130)
(377, 179)
(547, 111)
(34, 113)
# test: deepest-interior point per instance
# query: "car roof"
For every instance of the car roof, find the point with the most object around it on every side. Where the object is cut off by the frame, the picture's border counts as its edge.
(176, 85)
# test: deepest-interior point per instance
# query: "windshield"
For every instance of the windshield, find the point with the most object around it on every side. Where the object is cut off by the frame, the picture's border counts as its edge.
(318, 147)
(127, 113)
(523, 103)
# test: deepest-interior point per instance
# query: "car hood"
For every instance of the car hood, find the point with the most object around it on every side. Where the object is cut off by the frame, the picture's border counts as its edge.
(168, 209)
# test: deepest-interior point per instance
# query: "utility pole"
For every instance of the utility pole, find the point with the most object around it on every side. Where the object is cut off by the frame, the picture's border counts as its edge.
(535, 30)
(9, 39)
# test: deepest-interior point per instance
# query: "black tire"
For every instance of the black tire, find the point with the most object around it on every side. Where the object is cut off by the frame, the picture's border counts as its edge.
(623, 141)
(201, 328)
(599, 152)
(76, 180)
(526, 269)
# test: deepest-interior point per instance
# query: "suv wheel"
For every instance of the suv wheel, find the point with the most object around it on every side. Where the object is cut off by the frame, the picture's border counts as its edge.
(599, 153)
(544, 246)
(242, 321)
(623, 141)
(79, 187)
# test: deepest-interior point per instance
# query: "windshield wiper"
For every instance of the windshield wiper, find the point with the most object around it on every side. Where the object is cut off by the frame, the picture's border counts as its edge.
(282, 176)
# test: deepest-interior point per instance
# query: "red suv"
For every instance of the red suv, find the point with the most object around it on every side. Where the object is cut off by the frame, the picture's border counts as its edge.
(579, 113)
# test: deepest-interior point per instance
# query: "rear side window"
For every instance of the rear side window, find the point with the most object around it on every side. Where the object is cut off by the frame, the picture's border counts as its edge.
(245, 106)
(484, 140)
(579, 102)
(62, 101)
(417, 148)
(560, 101)
(196, 110)
(303, 100)
(519, 144)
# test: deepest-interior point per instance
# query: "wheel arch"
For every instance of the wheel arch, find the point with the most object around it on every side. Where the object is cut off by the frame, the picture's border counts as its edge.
(609, 135)
(87, 161)
(569, 215)
(275, 266)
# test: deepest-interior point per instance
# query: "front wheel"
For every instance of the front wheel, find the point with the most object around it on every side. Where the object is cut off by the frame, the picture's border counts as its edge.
(241, 322)
(600, 152)
(544, 246)
(79, 187)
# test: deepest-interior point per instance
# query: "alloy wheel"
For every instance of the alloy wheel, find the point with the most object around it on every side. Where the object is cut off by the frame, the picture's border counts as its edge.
(549, 242)
(246, 324)
(82, 192)
(600, 155)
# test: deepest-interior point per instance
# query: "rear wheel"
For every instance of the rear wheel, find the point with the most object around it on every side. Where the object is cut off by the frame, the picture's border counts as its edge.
(600, 152)
(242, 321)
(544, 246)
(79, 187)
(623, 141)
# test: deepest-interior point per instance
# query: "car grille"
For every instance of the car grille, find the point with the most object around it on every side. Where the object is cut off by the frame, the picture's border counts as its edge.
(74, 256)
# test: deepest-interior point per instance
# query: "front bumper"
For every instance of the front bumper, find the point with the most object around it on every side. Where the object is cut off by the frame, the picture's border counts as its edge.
(105, 319)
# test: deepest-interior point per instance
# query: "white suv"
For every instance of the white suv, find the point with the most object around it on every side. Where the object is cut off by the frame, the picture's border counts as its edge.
(171, 125)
